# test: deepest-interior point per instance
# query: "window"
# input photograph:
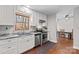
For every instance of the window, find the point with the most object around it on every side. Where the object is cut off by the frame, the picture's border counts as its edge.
(22, 22)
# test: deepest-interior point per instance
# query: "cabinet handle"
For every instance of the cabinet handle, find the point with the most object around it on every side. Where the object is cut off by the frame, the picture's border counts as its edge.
(9, 47)
(9, 41)
(27, 40)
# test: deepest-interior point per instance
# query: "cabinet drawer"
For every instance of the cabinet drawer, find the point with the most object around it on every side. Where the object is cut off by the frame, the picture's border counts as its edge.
(12, 40)
(28, 40)
(30, 43)
(8, 41)
(12, 51)
(31, 37)
(6, 47)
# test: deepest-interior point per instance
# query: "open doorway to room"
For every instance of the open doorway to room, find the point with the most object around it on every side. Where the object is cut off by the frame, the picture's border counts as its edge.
(65, 31)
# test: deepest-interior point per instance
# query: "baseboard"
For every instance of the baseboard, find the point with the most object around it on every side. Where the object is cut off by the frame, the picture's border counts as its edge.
(75, 47)
(53, 41)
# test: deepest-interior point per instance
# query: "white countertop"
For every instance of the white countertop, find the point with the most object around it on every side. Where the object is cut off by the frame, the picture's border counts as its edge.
(8, 36)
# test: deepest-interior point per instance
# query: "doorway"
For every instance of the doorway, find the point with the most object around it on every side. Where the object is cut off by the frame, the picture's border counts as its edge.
(65, 34)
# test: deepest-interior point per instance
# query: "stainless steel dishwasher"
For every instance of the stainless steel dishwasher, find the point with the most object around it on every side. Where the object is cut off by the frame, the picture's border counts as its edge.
(37, 39)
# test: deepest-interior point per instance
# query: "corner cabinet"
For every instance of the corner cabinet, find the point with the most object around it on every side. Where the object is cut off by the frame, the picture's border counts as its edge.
(7, 14)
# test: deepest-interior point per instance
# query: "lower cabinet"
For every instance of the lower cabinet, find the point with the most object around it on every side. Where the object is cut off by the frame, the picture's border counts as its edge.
(16, 45)
(8, 46)
(25, 43)
(11, 51)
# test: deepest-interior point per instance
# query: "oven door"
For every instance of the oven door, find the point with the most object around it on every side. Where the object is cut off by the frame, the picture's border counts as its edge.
(44, 37)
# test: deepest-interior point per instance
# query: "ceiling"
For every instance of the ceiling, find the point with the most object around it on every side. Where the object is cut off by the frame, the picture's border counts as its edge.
(51, 9)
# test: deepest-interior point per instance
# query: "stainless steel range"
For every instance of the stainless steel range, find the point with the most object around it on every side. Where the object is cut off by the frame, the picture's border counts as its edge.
(40, 38)
(41, 33)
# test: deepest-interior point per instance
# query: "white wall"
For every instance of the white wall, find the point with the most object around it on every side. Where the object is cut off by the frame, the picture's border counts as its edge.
(52, 28)
(76, 28)
(67, 25)
(63, 23)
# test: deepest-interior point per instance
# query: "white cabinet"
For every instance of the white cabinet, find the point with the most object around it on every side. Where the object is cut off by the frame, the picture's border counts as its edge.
(8, 46)
(42, 16)
(7, 15)
(6, 41)
(25, 43)
(36, 16)
(17, 45)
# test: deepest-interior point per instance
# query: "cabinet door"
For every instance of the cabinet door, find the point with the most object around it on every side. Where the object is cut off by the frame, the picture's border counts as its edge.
(20, 44)
(25, 43)
(44, 17)
(30, 42)
(12, 51)
(7, 15)
(34, 19)
(37, 18)
(40, 16)
(8, 47)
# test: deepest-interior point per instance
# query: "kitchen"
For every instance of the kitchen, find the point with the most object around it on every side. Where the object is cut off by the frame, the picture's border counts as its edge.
(21, 29)
(34, 29)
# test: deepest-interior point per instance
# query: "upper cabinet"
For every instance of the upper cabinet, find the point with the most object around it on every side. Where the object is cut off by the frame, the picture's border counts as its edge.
(7, 14)
(36, 16)
(42, 16)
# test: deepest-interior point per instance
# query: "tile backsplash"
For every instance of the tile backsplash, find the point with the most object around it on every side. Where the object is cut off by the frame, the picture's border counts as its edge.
(6, 29)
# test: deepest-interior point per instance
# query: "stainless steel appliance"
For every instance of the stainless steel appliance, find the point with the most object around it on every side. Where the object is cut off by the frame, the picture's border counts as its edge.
(44, 37)
(37, 39)
(40, 38)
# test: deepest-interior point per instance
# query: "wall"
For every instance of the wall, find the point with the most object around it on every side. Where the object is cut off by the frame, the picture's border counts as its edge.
(64, 23)
(76, 29)
(6, 29)
(52, 28)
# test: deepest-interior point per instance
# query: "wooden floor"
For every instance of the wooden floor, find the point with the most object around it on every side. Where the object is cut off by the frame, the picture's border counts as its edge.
(64, 46)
